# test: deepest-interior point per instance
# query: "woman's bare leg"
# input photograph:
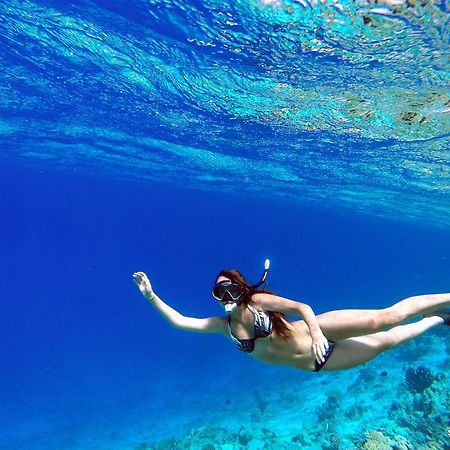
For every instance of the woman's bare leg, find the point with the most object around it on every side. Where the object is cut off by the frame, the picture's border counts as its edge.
(346, 323)
(358, 350)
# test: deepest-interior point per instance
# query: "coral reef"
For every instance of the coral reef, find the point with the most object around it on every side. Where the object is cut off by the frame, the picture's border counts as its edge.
(419, 379)
(375, 440)
(381, 407)
(328, 411)
(332, 442)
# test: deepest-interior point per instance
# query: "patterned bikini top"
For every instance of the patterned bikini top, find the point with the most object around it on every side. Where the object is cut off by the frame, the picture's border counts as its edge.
(263, 328)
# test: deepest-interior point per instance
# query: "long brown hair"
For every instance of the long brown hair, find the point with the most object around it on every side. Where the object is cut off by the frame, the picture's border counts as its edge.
(280, 322)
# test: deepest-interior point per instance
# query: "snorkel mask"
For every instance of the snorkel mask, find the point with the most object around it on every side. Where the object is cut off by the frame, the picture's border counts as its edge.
(230, 293)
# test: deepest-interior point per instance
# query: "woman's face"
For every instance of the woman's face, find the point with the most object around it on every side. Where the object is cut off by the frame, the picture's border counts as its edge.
(228, 295)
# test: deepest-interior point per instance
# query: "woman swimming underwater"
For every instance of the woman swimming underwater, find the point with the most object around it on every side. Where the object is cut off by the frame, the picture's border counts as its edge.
(257, 323)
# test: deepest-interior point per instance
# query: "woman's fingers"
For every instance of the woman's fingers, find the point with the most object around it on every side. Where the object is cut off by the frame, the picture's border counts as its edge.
(322, 356)
(140, 278)
(137, 277)
(319, 358)
(320, 347)
(318, 353)
(321, 351)
(325, 347)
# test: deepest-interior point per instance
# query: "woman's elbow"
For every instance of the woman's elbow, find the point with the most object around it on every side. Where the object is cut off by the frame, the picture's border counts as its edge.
(304, 308)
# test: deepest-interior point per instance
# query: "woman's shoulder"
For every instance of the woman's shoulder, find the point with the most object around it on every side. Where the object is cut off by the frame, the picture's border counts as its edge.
(258, 305)
(258, 299)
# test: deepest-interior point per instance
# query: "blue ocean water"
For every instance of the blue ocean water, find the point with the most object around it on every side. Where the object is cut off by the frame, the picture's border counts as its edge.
(180, 138)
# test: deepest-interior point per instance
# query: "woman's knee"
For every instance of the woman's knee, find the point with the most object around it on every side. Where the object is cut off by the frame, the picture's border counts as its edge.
(392, 338)
(389, 317)
(385, 340)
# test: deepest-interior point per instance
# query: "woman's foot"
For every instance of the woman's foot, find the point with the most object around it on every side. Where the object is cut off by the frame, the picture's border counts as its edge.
(442, 313)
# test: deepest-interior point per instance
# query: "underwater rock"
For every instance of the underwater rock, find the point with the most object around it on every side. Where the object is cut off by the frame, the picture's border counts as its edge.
(328, 410)
(419, 379)
(212, 434)
(166, 444)
(365, 376)
(142, 446)
(355, 411)
(423, 404)
(300, 439)
(333, 442)
(244, 437)
(269, 437)
(261, 403)
(208, 447)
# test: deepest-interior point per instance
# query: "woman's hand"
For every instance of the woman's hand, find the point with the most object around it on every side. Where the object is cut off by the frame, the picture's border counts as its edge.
(144, 285)
(319, 346)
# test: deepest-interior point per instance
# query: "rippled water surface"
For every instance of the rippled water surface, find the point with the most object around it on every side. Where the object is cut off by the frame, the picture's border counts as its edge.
(339, 103)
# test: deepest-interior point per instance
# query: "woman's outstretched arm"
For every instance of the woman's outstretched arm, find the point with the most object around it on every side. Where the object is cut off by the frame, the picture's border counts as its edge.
(177, 320)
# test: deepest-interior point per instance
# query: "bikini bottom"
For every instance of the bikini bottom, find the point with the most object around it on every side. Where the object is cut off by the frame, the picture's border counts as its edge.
(328, 352)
